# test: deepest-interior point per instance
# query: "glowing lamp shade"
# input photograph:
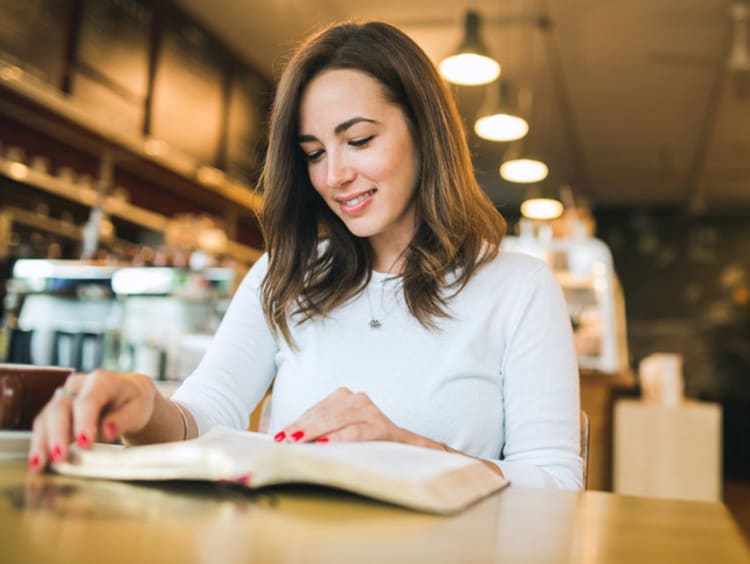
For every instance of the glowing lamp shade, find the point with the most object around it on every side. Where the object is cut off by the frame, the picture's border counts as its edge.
(501, 127)
(469, 69)
(524, 171)
(541, 208)
(470, 64)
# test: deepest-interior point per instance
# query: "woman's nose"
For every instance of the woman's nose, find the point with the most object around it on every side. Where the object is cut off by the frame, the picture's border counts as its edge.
(339, 172)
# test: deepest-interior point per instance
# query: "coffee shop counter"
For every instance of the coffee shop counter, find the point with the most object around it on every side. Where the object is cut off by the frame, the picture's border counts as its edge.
(61, 519)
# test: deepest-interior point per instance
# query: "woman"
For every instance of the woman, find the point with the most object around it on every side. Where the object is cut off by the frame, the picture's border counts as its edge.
(384, 309)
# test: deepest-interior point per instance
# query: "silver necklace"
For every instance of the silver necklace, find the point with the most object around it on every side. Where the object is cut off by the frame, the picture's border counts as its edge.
(375, 323)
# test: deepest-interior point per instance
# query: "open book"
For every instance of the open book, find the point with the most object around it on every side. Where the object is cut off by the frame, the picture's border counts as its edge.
(418, 478)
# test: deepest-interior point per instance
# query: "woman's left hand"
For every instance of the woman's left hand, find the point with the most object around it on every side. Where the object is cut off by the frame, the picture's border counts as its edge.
(348, 416)
(344, 416)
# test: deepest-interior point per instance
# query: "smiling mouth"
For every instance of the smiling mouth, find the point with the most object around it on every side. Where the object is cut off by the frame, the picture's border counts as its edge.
(358, 199)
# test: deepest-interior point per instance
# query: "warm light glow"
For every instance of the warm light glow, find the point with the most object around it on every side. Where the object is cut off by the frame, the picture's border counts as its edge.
(501, 127)
(30, 269)
(155, 147)
(153, 280)
(541, 208)
(11, 73)
(19, 171)
(213, 240)
(210, 176)
(469, 69)
(524, 170)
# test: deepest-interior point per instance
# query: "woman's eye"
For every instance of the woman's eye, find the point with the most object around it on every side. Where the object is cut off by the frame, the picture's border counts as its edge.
(313, 156)
(361, 142)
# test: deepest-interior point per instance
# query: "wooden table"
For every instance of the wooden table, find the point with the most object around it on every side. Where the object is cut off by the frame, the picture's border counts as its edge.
(59, 519)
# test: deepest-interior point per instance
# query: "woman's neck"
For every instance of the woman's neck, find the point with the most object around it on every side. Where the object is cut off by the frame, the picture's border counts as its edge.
(395, 266)
(388, 259)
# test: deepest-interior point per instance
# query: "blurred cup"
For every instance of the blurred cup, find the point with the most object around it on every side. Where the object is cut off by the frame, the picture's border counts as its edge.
(661, 379)
(24, 390)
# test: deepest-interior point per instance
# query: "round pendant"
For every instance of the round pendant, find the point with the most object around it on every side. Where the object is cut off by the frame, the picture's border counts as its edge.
(375, 324)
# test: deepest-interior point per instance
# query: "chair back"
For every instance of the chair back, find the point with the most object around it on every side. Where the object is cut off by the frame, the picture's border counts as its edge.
(585, 447)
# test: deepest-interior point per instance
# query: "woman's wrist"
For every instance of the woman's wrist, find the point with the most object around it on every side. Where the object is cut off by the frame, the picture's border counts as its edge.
(418, 440)
(409, 438)
(164, 422)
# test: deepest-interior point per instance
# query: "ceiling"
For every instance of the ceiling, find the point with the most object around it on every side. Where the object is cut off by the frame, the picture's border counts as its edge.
(634, 103)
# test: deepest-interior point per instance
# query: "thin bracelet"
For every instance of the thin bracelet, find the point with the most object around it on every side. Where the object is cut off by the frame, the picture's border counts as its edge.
(184, 419)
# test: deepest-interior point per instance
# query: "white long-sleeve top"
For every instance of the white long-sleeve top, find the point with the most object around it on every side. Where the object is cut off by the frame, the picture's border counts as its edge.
(497, 380)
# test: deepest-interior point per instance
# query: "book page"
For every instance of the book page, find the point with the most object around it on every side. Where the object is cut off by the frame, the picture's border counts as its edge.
(424, 479)
(392, 460)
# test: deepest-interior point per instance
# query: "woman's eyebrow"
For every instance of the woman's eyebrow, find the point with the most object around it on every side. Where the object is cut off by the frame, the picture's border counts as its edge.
(343, 126)
(340, 128)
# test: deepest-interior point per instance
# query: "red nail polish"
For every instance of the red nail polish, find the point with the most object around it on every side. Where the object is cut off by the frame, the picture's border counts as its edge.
(83, 441)
(34, 462)
(56, 453)
(322, 440)
(280, 436)
(243, 480)
(297, 435)
(112, 430)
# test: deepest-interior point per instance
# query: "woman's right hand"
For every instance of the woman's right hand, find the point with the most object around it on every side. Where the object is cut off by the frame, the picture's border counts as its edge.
(100, 403)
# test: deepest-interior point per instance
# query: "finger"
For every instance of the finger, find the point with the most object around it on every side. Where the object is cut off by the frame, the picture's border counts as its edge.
(57, 427)
(98, 389)
(114, 404)
(127, 416)
(75, 381)
(331, 414)
(51, 433)
(38, 445)
(317, 420)
(367, 431)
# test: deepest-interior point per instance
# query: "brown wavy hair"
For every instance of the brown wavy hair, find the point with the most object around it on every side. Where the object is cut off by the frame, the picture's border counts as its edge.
(458, 228)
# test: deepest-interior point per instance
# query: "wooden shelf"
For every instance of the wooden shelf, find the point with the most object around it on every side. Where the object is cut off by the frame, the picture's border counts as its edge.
(48, 224)
(87, 196)
(101, 125)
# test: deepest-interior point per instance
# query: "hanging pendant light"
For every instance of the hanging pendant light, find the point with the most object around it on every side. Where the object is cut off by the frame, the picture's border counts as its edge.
(541, 208)
(542, 202)
(524, 170)
(523, 163)
(471, 64)
(497, 122)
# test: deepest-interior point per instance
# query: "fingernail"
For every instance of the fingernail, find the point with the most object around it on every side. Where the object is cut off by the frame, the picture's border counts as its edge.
(322, 440)
(34, 462)
(243, 480)
(280, 436)
(56, 453)
(297, 435)
(112, 430)
(83, 441)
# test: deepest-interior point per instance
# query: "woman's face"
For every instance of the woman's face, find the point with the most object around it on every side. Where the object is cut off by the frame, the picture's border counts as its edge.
(360, 154)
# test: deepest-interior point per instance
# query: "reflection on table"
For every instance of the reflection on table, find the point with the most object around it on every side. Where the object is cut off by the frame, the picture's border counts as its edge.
(59, 519)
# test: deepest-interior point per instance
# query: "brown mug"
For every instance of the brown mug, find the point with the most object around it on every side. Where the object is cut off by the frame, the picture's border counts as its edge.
(24, 390)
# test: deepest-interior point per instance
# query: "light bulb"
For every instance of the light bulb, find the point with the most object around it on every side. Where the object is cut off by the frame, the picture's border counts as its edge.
(541, 208)
(524, 170)
(469, 69)
(501, 127)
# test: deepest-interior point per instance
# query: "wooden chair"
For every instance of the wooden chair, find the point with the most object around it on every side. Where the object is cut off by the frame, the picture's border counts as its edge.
(261, 416)
(585, 446)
